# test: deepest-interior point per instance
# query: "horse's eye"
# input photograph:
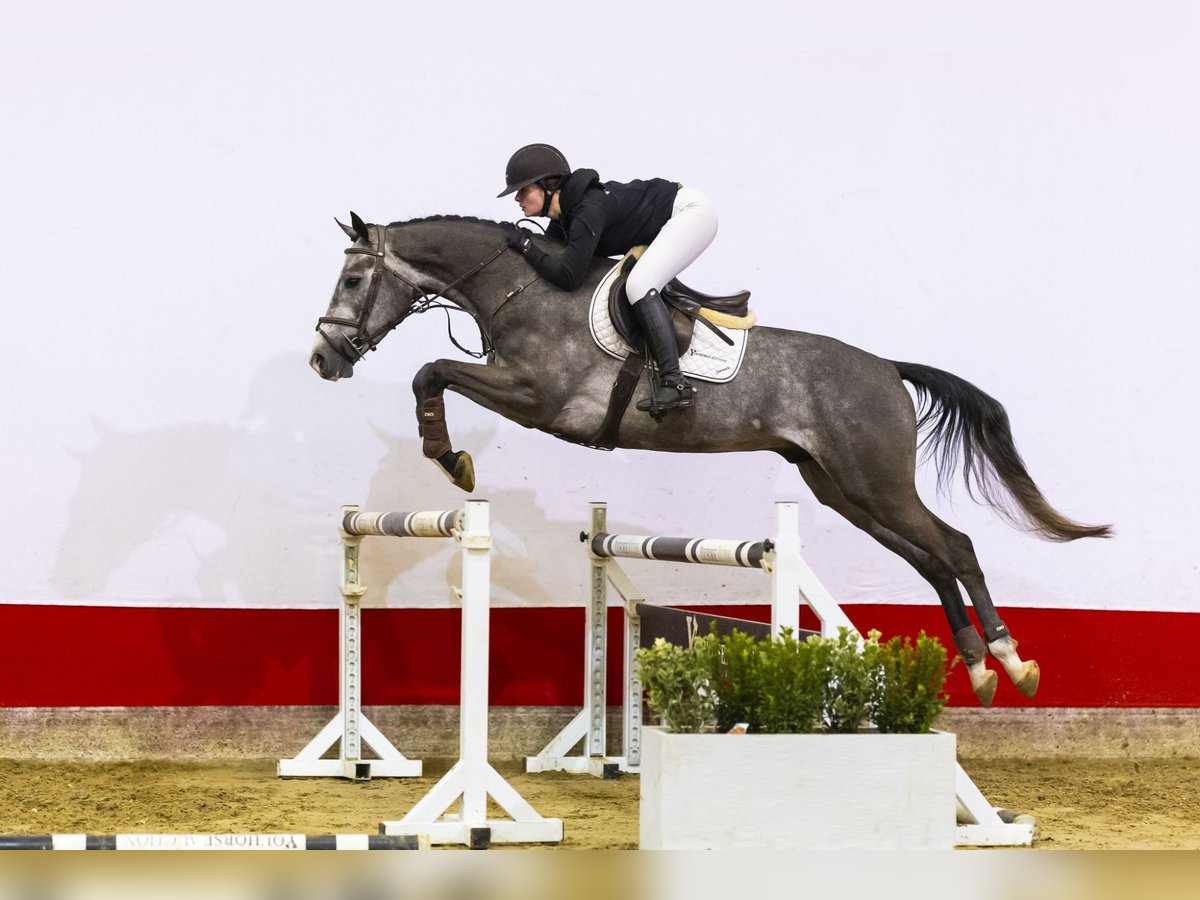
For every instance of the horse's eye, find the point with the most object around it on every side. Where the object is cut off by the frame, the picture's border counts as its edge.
(352, 281)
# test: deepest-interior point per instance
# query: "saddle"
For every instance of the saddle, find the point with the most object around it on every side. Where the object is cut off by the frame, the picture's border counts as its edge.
(686, 305)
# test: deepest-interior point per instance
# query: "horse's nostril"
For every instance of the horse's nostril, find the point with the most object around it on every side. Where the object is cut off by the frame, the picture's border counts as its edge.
(317, 362)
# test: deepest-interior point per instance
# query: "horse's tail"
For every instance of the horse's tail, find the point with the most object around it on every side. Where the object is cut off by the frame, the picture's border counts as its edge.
(959, 416)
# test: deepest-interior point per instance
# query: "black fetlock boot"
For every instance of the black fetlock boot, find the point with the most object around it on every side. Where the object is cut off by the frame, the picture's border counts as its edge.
(672, 390)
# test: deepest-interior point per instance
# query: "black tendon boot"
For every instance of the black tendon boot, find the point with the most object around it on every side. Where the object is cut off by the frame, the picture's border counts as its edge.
(672, 390)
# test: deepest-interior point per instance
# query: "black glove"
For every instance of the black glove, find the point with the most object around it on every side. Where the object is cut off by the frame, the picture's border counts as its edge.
(519, 239)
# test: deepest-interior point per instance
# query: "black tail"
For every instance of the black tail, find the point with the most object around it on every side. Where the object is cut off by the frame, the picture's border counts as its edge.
(959, 415)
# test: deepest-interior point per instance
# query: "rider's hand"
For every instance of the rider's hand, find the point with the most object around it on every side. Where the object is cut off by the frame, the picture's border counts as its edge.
(519, 239)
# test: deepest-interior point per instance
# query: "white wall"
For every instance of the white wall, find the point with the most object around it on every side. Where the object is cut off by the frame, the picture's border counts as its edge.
(1010, 195)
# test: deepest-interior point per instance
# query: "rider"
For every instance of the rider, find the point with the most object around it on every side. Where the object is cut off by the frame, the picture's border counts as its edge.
(595, 218)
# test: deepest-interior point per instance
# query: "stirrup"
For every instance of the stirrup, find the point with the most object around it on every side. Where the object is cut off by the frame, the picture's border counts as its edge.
(673, 392)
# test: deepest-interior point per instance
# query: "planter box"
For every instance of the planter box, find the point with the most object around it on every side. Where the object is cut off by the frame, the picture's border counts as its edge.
(797, 791)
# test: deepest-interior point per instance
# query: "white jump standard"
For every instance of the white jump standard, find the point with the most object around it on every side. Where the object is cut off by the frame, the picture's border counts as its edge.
(350, 727)
(472, 780)
(792, 582)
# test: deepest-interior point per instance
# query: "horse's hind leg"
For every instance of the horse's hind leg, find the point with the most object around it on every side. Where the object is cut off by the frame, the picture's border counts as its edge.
(901, 510)
(970, 646)
(1025, 674)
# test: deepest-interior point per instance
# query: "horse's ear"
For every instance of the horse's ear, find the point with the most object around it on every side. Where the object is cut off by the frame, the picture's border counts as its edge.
(346, 228)
(360, 227)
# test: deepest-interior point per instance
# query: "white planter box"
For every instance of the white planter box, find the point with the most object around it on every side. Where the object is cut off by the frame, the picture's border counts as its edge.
(797, 791)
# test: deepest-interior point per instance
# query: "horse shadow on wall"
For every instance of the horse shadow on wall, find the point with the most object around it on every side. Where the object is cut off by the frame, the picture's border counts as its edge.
(388, 565)
(246, 514)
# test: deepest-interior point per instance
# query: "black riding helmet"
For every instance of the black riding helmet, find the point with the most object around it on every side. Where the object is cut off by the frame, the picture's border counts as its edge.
(531, 163)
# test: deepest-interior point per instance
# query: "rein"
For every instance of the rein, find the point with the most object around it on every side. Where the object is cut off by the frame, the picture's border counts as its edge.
(354, 347)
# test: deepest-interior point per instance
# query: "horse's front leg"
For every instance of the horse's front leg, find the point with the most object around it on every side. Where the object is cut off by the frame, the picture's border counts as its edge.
(492, 387)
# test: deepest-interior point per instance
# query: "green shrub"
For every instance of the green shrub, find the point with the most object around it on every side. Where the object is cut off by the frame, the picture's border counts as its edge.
(854, 679)
(735, 668)
(676, 683)
(912, 676)
(794, 678)
(786, 686)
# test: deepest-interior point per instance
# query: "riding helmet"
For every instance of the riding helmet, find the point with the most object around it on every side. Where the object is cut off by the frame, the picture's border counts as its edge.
(531, 163)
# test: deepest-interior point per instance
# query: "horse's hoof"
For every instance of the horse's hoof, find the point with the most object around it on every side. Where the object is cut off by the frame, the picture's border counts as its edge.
(459, 468)
(464, 472)
(1025, 674)
(1027, 680)
(984, 685)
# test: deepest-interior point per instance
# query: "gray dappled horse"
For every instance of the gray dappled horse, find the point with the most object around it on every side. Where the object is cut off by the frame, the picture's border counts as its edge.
(841, 415)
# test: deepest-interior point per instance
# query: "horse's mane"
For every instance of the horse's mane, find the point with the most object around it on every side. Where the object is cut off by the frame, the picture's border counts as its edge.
(449, 218)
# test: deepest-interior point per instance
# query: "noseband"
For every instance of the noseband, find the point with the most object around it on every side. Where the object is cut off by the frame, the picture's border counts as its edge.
(353, 347)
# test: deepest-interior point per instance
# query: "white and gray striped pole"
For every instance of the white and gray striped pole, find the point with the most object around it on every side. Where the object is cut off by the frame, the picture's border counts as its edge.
(792, 579)
(432, 523)
(208, 842)
(703, 551)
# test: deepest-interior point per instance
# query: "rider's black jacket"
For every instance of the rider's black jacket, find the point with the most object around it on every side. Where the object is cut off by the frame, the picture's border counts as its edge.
(601, 219)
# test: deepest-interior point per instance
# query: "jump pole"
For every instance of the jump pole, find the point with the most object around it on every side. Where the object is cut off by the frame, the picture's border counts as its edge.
(207, 842)
(792, 582)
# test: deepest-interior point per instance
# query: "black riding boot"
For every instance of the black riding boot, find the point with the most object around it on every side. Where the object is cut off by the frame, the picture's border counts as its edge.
(673, 390)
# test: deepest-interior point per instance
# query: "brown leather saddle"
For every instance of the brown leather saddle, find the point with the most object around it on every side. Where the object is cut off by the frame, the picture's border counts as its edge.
(686, 307)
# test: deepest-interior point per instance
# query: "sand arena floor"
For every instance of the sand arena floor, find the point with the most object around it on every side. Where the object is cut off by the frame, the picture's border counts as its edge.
(1080, 803)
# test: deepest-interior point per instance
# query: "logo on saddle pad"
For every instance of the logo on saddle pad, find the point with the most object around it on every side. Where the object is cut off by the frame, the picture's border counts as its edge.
(707, 358)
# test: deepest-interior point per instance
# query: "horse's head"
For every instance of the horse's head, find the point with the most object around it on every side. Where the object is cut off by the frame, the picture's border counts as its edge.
(374, 294)
(381, 285)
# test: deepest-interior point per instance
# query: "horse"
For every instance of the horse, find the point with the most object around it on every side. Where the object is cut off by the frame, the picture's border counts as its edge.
(841, 415)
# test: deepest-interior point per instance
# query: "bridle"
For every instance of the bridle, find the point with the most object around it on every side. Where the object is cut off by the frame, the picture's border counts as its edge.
(353, 347)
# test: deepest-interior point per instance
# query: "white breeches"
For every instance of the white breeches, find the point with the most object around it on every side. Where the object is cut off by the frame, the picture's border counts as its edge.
(689, 231)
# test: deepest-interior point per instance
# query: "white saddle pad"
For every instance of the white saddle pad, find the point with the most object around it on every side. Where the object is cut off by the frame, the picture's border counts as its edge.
(708, 358)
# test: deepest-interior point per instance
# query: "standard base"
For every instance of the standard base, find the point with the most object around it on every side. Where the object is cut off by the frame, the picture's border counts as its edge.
(479, 835)
(308, 763)
(1017, 834)
(353, 769)
(599, 766)
(468, 786)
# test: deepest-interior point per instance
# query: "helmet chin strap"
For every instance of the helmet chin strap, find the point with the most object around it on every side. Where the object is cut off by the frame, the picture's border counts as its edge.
(549, 198)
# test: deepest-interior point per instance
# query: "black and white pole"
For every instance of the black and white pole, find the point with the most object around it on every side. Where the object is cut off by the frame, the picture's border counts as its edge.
(208, 842)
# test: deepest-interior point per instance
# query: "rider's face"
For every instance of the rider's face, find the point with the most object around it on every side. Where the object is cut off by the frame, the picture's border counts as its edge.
(531, 199)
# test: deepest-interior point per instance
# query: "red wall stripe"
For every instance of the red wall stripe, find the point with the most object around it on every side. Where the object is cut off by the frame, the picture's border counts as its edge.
(174, 656)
